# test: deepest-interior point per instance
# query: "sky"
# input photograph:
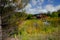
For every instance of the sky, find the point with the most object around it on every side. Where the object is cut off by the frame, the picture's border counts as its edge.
(42, 6)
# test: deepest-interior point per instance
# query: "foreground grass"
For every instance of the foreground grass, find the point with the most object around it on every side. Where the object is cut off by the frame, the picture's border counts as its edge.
(38, 29)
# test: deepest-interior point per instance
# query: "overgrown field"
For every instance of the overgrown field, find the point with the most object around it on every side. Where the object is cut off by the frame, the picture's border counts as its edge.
(39, 29)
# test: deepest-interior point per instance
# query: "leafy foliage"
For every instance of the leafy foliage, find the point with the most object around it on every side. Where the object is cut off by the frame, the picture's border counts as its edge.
(9, 16)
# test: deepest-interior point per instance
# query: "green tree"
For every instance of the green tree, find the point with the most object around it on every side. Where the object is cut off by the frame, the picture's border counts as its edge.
(54, 14)
(7, 10)
(58, 13)
(29, 16)
(49, 14)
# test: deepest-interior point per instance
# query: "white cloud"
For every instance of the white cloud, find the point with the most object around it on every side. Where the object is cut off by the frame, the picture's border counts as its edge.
(28, 6)
(36, 1)
(50, 8)
(39, 9)
(41, 1)
(32, 11)
(51, 1)
(57, 7)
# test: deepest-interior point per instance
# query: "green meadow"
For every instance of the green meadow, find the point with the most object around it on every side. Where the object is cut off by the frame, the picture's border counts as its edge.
(38, 29)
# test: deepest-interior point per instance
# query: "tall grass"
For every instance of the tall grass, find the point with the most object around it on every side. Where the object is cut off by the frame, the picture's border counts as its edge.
(36, 29)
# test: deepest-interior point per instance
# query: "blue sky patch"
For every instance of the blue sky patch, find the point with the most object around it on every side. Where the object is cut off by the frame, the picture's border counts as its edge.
(40, 6)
